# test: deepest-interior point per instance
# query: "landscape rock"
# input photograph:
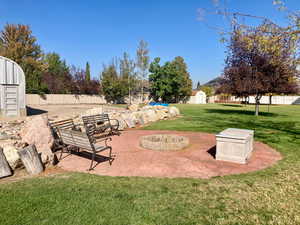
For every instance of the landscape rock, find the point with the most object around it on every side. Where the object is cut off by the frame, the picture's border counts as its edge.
(174, 111)
(36, 131)
(144, 117)
(12, 157)
(138, 116)
(133, 115)
(133, 107)
(152, 116)
(127, 117)
(122, 123)
(93, 111)
(4, 136)
(161, 114)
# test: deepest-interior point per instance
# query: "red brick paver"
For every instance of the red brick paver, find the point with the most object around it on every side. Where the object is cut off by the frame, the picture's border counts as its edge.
(196, 161)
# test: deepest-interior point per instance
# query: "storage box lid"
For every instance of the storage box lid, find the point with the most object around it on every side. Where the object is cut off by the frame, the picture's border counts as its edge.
(235, 133)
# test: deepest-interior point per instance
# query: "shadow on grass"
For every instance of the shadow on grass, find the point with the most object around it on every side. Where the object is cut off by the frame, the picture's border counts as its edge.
(233, 105)
(240, 112)
(286, 127)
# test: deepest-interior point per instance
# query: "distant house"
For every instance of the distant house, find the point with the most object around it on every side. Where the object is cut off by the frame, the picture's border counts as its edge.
(197, 97)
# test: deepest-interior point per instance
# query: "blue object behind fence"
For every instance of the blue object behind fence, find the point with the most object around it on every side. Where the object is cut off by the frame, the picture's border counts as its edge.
(158, 103)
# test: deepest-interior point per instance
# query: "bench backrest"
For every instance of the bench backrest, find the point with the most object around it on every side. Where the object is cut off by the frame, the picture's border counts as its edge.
(76, 138)
(63, 124)
(94, 119)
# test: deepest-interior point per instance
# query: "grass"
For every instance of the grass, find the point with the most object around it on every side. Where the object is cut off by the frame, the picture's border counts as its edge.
(269, 196)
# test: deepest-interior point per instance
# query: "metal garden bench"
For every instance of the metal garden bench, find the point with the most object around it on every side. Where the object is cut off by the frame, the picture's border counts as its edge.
(80, 140)
(63, 124)
(101, 123)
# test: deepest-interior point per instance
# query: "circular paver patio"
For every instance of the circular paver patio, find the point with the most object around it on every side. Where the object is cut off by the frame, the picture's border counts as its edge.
(197, 160)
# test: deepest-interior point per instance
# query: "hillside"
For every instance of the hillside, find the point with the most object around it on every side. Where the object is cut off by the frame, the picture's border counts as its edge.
(214, 83)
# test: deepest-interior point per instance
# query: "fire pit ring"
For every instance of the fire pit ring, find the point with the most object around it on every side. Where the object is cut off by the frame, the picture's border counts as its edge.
(164, 142)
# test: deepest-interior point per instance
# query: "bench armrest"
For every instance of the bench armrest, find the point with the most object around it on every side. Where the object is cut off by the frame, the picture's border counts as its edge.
(105, 139)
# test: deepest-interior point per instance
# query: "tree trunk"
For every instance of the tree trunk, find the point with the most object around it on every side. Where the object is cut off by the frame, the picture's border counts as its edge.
(31, 160)
(257, 99)
(270, 102)
(143, 90)
(5, 170)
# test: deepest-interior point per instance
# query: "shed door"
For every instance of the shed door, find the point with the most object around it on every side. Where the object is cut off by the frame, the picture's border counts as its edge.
(11, 100)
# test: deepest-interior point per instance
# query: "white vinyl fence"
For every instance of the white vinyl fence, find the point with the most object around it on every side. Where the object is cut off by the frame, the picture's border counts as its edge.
(276, 100)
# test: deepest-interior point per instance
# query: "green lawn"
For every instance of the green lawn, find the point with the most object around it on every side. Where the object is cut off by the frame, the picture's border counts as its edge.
(271, 196)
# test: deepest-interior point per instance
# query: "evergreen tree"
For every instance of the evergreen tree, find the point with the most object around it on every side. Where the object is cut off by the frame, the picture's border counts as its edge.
(112, 85)
(182, 81)
(198, 86)
(54, 64)
(56, 77)
(87, 72)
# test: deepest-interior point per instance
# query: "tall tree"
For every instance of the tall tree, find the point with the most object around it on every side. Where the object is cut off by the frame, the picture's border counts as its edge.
(81, 85)
(87, 72)
(128, 74)
(18, 44)
(160, 84)
(261, 60)
(56, 77)
(181, 81)
(170, 82)
(208, 91)
(142, 63)
(54, 64)
(112, 85)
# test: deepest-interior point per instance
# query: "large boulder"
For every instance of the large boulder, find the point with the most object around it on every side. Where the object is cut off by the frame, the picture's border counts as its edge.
(138, 117)
(129, 119)
(162, 114)
(173, 111)
(144, 117)
(122, 123)
(36, 131)
(93, 111)
(151, 115)
(133, 107)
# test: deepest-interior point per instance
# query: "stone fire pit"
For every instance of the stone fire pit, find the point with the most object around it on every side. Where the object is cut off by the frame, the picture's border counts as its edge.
(164, 142)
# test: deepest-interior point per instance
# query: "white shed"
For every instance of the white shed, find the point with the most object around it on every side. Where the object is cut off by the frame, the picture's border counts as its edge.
(12, 89)
(197, 97)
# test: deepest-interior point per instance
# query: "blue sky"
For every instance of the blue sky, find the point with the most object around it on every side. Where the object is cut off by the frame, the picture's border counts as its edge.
(97, 30)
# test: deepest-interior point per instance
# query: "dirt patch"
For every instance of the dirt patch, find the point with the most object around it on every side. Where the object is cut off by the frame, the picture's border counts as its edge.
(57, 111)
(21, 174)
